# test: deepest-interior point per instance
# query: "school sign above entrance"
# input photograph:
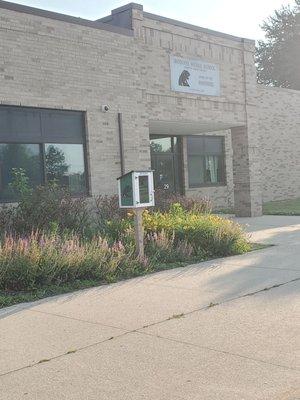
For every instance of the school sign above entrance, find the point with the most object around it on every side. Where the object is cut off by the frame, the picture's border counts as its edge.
(194, 76)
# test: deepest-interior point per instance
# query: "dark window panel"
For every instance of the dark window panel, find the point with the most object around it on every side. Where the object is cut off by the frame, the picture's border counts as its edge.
(195, 145)
(62, 126)
(206, 160)
(34, 125)
(19, 124)
(213, 145)
(196, 171)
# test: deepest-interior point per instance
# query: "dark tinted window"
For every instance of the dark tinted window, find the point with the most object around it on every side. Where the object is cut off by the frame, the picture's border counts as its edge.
(20, 156)
(65, 164)
(213, 145)
(62, 126)
(195, 145)
(20, 125)
(30, 125)
(206, 160)
(144, 189)
(46, 144)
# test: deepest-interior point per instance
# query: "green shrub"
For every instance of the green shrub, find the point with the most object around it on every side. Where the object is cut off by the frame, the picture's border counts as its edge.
(164, 201)
(52, 208)
(209, 235)
(49, 238)
(107, 209)
(161, 247)
(117, 229)
(45, 208)
(36, 261)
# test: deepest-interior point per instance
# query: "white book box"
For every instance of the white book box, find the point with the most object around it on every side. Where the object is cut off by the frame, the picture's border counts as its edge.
(136, 189)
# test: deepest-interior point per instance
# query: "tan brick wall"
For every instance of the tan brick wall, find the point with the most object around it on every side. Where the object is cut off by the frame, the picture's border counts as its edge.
(235, 106)
(279, 132)
(160, 40)
(49, 63)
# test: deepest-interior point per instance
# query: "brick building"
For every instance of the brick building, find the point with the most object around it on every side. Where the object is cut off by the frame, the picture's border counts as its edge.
(181, 99)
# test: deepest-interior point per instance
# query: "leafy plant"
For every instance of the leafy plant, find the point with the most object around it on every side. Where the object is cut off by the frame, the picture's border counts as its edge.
(107, 208)
(50, 239)
(48, 207)
(164, 201)
(36, 261)
(20, 183)
(208, 234)
(278, 56)
(161, 247)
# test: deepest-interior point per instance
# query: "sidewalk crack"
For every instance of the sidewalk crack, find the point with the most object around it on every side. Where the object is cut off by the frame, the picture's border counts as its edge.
(141, 331)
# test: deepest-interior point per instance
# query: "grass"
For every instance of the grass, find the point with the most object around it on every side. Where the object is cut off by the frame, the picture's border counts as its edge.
(10, 298)
(283, 207)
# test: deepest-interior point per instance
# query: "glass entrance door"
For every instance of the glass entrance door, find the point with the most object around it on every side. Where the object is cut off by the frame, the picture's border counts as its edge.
(166, 162)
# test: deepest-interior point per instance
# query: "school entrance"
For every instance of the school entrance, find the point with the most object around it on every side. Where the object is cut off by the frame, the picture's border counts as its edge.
(166, 161)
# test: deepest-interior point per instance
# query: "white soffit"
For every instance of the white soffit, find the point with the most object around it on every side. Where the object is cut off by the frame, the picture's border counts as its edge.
(178, 128)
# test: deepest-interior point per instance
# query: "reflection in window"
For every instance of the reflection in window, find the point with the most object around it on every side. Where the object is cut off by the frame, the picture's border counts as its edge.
(212, 169)
(161, 144)
(41, 162)
(25, 156)
(205, 160)
(65, 165)
(166, 162)
(196, 171)
(144, 189)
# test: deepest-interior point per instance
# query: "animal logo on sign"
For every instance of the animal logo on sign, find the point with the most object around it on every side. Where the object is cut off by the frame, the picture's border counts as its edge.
(184, 78)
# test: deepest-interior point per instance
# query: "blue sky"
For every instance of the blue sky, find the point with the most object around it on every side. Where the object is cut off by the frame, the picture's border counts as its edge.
(237, 17)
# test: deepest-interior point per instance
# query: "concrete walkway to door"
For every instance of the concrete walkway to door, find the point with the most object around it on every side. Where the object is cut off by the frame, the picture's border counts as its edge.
(220, 330)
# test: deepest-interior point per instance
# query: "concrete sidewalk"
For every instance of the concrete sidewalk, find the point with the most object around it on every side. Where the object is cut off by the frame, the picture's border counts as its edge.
(220, 330)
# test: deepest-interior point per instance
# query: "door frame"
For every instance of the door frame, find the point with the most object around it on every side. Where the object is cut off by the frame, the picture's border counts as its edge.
(180, 160)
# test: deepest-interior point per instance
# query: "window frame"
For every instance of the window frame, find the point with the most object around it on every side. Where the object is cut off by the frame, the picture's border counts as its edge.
(222, 156)
(41, 144)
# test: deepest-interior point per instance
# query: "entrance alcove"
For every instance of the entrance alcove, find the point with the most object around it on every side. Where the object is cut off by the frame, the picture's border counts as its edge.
(167, 160)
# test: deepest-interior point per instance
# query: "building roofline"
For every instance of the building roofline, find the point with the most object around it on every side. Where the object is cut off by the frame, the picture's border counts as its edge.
(196, 28)
(64, 18)
(263, 86)
(128, 6)
(98, 24)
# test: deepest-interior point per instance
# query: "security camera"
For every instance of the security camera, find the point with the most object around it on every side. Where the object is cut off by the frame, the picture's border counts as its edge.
(104, 108)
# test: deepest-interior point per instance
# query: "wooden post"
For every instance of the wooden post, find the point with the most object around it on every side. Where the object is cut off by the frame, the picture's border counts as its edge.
(139, 231)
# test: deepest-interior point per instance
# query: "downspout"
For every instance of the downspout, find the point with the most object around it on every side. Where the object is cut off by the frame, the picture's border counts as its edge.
(121, 143)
